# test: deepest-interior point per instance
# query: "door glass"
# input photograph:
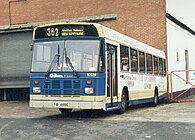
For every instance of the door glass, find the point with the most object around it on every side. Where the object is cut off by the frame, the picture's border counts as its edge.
(111, 71)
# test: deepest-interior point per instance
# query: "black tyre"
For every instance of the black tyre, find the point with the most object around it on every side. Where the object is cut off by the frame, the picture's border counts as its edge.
(123, 106)
(155, 100)
(65, 111)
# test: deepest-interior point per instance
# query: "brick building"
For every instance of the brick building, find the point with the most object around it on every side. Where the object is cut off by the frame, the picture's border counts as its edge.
(144, 20)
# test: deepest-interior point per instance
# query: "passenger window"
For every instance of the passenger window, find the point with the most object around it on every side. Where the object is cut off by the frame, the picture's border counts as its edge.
(160, 66)
(134, 60)
(142, 63)
(124, 53)
(164, 67)
(155, 59)
(149, 64)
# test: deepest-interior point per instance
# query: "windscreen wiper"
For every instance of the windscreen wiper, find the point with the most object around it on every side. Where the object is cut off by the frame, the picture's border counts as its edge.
(71, 66)
(68, 61)
(55, 60)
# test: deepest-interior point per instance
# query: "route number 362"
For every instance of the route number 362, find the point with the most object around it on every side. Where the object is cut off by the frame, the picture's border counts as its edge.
(52, 32)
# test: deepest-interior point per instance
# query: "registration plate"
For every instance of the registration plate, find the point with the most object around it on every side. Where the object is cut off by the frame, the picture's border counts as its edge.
(60, 104)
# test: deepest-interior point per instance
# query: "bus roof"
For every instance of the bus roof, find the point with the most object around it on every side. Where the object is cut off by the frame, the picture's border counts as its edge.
(77, 28)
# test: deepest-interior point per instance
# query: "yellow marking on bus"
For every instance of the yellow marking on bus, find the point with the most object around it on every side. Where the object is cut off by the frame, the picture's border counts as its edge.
(99, 30)
(134, 95)
(34, 32)
(143, 94)
(137, 95)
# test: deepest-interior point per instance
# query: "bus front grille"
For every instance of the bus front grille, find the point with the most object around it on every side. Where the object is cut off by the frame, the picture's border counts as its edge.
(62, 87)
(76, 84)
(56, 84)
(46, 84)
(67, 84)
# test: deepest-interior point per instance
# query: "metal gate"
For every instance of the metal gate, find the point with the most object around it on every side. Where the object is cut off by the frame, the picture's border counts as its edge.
(178, 97)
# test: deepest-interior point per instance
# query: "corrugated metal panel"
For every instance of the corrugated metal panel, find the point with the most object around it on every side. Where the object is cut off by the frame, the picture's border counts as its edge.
(15, 59)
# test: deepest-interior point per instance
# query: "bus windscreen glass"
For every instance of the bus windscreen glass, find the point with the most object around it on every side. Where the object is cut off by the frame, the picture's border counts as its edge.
(85, 55)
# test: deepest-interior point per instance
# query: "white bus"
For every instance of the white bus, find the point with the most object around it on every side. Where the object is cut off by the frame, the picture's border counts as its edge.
(89, 66)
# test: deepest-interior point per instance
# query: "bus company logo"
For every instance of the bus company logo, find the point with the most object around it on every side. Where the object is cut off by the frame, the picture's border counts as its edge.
(55, 75)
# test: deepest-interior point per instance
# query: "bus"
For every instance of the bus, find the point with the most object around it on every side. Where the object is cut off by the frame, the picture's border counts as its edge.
(78, 65)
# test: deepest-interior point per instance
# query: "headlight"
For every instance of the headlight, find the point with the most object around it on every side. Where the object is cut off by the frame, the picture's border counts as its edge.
(36, 90)
(89, 90)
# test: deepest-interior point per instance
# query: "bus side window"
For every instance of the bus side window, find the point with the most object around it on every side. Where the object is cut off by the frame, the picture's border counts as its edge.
(164, 67)
(149, 63)
(160, 66)
(124, 53)
(142, 62)
(134, 60)
(155, 59)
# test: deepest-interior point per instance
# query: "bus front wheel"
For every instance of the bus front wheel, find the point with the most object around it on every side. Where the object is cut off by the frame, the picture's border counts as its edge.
(123, 106)
(65, 111)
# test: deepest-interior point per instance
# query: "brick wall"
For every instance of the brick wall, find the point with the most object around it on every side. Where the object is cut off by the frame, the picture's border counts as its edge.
(143, 20)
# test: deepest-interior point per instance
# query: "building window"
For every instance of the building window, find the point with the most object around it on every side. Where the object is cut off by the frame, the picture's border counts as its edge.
(134, 60)
(149, 63)
(124, 53)
(177, 56)
(142, 62)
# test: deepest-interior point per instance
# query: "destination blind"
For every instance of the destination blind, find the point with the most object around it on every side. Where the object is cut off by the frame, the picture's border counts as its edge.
(65, 30)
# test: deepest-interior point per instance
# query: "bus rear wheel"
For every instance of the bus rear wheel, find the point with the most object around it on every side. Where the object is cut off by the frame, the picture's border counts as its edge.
(65, 111)
(155, 100)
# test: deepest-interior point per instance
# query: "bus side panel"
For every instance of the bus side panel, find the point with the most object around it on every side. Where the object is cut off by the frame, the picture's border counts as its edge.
(141, 87)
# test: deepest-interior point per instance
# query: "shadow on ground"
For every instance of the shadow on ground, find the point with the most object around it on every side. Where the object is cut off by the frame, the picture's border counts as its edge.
(96, 114)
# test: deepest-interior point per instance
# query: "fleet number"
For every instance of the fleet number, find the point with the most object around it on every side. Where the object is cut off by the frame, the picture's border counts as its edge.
(52, 32)
(91, 74)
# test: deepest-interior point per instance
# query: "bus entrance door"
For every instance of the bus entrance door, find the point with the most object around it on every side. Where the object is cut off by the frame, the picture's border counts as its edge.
(112, 86)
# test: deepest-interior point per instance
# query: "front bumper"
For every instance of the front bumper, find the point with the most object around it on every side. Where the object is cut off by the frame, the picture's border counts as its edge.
(43, 101)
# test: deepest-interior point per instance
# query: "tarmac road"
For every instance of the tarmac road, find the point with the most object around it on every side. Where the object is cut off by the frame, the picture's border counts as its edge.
(165, 122)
